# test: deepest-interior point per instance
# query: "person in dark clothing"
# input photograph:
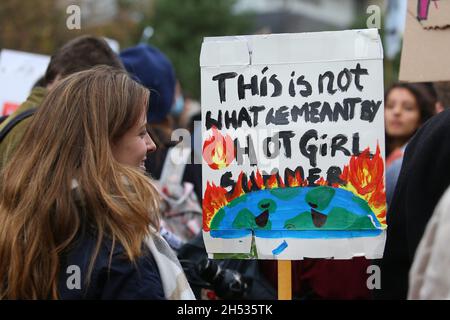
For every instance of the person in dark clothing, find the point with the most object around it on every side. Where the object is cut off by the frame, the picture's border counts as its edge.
(408, 106)
(324, 279)
(423, 179)
(120, 280)
(78, 215)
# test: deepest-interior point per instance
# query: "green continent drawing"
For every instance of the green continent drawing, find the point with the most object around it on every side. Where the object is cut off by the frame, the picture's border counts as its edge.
(297, 208)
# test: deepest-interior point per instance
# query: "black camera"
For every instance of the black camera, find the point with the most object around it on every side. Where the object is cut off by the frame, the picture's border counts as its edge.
(227, 283)
(228, 278)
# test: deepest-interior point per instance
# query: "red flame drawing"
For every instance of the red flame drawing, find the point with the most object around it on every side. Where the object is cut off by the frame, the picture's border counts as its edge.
(218, 150)
(364, 177)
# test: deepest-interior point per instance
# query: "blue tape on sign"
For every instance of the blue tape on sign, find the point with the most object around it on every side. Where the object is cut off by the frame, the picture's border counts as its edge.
(280, 248)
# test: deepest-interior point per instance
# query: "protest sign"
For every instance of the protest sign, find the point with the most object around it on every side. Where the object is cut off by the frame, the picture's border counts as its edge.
(293, 145)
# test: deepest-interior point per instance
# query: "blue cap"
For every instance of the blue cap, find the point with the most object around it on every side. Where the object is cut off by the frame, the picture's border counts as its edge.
(152, 69)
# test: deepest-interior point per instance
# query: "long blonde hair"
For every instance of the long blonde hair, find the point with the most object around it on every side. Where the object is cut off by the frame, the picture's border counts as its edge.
(69, 139)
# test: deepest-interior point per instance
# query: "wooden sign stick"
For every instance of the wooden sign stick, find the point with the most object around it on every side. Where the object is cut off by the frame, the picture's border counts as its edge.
(284, 280)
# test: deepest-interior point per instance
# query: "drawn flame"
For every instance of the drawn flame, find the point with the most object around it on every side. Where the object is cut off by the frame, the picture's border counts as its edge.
(238, 189)
(363, 176)
(214, 199)
(258, 182)
(218, 150)
(295, 181)
(272, 183)
(322, 182)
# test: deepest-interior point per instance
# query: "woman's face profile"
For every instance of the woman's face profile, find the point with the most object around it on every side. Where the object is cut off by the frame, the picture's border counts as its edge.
(402, 115)
(132, 148)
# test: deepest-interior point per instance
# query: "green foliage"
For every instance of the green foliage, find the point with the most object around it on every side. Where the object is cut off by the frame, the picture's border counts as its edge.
(40, 26)
(180, 26)
(31, 25)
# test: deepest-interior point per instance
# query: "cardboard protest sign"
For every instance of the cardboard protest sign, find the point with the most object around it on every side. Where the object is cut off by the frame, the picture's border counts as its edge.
(18, 73)
(293, 145)
(426, 42)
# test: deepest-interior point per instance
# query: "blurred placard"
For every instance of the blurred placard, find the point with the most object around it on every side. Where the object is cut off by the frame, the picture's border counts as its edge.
(19, 71)
(426, 42)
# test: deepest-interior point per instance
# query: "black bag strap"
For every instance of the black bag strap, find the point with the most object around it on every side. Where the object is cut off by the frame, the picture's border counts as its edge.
(10, 125)
(3, 118)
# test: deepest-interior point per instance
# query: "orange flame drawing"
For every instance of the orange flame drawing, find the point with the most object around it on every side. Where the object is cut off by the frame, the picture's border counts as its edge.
(238, 189)
(258, 182)
(295, 181)
(322, 182)
(272, 183)
(218, 150)
(214, 199)
(364, 177)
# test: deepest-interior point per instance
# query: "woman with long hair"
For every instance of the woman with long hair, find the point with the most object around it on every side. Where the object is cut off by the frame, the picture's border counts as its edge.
(75, 202)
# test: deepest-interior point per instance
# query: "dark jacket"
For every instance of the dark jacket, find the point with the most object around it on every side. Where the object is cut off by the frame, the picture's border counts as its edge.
(119, 280)
(324, 279)
(424, 177)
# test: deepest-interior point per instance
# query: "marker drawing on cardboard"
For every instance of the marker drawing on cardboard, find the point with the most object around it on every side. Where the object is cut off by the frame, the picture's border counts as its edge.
(293, 145)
